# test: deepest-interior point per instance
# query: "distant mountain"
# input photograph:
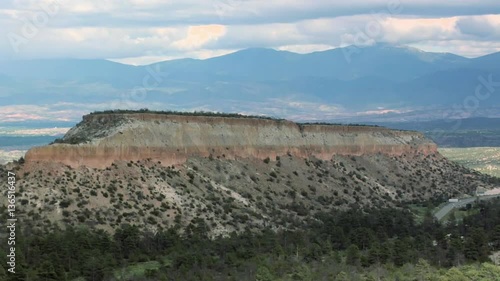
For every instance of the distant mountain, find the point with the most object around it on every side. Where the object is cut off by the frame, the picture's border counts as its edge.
(452, 86)
(72, 70)
(260, 81)
(491, 61)
(386, 61)
(382, 60)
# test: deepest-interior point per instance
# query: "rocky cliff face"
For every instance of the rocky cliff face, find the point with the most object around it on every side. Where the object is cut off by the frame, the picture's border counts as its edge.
(102, 139)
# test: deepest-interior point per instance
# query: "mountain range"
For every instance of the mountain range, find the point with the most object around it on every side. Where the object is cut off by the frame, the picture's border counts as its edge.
(344, 82)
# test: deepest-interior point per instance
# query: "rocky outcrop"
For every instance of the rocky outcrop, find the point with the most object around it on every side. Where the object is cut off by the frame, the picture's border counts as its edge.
(172, 139)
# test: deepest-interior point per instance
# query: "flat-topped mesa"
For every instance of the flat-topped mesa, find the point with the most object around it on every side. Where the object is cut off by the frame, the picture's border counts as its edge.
(101, 139)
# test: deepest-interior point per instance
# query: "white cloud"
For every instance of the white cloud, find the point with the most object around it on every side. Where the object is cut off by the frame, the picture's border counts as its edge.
(401, 30)
(63, 111)
(305, 48)
(198, 36)
(139, 31)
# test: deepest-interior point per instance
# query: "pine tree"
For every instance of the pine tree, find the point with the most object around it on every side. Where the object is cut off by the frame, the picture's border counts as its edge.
(495, 239)
(424, 270)
(374, 254)
(47, 271)
(476, 247)
(3, 274)
(353, 256)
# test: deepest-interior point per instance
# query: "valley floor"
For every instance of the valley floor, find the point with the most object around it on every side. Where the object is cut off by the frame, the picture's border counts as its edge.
(10, 155)
(483, 159)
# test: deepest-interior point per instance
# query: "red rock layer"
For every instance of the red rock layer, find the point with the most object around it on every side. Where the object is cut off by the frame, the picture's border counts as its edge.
(173, 139)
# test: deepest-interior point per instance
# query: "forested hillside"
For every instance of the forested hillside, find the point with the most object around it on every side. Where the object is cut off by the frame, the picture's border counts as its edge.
(382, 244)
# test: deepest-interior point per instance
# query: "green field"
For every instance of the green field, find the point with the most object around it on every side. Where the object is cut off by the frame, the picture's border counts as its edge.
(483, 159)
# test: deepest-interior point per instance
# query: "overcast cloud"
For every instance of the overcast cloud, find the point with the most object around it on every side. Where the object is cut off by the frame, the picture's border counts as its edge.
(140, 31)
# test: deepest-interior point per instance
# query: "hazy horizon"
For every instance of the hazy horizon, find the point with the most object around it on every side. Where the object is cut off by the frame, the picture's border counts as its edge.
(126, 62)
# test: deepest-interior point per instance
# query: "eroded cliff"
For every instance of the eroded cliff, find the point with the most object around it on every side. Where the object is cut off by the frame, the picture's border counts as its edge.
(101, 139)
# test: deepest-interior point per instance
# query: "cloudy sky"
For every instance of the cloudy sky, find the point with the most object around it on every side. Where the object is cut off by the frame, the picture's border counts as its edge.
(143, 31)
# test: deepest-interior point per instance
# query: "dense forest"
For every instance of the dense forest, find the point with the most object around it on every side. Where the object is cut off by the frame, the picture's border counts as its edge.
(380, 244)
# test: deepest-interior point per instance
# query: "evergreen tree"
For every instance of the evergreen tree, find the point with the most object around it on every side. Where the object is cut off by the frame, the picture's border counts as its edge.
(495, 237)
(374, 254)
(47, 271)
(3, 274)
(424, 271)
(476, 246)
(352, 255)
(127, 238)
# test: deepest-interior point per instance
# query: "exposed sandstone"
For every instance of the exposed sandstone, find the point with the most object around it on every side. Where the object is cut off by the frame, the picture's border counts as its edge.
(172, 139)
